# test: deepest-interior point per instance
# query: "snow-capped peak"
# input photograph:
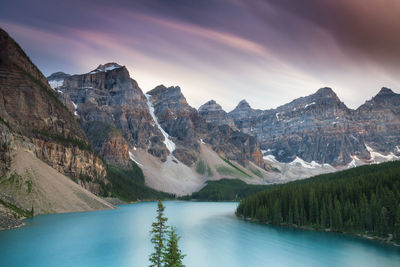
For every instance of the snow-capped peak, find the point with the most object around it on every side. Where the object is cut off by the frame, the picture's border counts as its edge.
(106, 67)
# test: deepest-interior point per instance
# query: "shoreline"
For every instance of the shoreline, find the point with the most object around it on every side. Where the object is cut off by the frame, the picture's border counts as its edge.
(385, 241)
(8, 222)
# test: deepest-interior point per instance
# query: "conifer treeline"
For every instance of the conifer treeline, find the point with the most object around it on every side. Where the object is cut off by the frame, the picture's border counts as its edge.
(361, 200)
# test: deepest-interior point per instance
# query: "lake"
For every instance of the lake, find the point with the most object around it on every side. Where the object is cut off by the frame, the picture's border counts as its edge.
(211, 236)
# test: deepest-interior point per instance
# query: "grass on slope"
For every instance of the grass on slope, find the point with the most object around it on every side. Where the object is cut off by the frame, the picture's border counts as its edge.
(201, 167)
(129, 185)
(225, 190)
(257, 172)
(17, 212)
(228, 171)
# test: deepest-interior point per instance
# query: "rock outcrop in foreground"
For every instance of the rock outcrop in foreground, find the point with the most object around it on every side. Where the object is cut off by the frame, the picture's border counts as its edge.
(32, 118)
(34, 123)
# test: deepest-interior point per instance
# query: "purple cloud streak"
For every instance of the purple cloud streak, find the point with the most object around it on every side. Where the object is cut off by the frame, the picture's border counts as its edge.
(268, 52)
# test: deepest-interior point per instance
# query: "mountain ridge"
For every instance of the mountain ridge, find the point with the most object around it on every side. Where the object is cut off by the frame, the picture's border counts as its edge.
(322, 110)
(281, 130)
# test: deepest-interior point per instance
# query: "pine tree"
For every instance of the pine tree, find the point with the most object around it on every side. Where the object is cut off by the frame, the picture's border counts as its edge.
(361, 200)
(159, 230)
(397, 226)
(173, 255)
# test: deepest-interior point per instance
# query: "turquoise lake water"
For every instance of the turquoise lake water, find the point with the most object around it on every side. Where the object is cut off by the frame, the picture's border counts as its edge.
(211, 236)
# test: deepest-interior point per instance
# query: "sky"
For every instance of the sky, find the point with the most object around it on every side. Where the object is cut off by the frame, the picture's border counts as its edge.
(265, 51)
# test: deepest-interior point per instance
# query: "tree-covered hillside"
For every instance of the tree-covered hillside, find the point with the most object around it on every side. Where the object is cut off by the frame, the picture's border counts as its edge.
(129, 185)
(362, 200)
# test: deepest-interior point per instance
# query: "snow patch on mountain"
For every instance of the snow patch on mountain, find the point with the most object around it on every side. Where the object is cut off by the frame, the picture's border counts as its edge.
(76, 108)
(305, 164)
(270, 158)
(377, 157)
(167, 141)
(55, 84)
(310, 104)
(105, 68)
(352, 164)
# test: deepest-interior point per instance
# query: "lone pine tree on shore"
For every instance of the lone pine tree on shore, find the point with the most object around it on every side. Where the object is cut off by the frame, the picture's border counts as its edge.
(166, 252)
(159, 230)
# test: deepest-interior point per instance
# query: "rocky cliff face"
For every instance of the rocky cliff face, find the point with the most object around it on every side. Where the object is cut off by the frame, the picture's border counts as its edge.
(34, 119)
(380, 120)
(109, 143)
(320, 127)
(243, 115)
(212, 112)
(107, 101)
(317, 127)
(174, 116)
(187, 127)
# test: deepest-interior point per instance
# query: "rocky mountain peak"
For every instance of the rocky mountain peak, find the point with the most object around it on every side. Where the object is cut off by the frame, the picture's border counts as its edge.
(243, 111)
(108, 101)
(58, 76)
(210, 106)
(326, 92)
(210, 102)
(104, 71)
(162, 89)
(386, 92)
(212, 112)
(169, 102)
(12, 53)
(243, 104)
(385, 98)
(107, 67)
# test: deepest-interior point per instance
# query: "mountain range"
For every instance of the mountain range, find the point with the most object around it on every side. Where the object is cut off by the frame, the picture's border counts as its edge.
(315, 131)
(60, 135)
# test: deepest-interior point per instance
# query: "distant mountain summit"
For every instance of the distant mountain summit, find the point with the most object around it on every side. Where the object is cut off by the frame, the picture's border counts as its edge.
(213, 113)
(379, 119)
(243, 111)
(58, 76)
(106, 100)
(159, 130)
(321, 128)
(106, 67)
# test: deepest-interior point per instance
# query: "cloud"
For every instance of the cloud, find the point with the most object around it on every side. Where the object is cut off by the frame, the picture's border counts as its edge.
(367, 28)
(266, 51)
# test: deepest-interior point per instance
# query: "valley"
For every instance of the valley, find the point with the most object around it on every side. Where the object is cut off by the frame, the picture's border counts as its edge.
(99, 130)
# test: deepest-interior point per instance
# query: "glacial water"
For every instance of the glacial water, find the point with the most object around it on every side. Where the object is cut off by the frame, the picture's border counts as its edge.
(211, 236)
